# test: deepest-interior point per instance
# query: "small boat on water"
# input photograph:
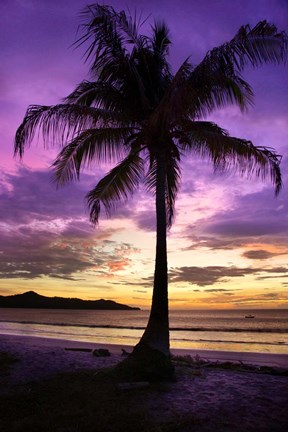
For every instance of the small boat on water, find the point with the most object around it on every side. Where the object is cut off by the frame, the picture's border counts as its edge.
(249, 316)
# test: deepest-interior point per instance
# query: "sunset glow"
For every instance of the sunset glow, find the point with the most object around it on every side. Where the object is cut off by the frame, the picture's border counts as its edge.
(228, 245)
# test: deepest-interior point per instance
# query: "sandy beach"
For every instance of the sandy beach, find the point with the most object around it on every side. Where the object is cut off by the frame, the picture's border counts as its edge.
(220, 399)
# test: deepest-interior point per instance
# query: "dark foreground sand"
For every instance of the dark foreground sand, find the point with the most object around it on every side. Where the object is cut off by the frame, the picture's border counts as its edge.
(218, 399)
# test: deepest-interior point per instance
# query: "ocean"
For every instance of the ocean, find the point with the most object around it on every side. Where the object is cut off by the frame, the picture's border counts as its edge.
(226, 330)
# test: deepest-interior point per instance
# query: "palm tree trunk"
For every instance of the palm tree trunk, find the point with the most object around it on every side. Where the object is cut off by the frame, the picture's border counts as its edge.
(156, 335)
(150, 359)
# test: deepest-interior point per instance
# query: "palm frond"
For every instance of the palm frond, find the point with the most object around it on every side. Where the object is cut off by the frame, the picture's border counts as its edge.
(217, 80)
(109, 34)
(160, 70)
(116, 186)
(160, 39)
(134, 63)
(112, 62)
(92, 145)
(129, 27)
(208, 91)
(97, 94)
(26, 131)
(194, 94)
(174, 101)
(59, 123)
(227, 153)
(105, 40)
(259, 45)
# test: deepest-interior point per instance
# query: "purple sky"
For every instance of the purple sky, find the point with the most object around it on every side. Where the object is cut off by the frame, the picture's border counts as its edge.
(228, 246)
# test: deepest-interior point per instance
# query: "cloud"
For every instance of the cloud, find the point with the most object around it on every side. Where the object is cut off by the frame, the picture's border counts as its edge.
(256, 214)
(45, 232)
(219, 290)
(29, 254)
(260, 254)
(270, 295)
(145, 220)
(213, 243)
(145, 283)
(203, 276)
(246, 228)
(272, 277)
(29, 195)
(262, 299)
(255, 218)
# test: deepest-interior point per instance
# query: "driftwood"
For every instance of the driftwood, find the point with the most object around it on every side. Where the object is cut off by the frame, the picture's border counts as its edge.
(79, 349)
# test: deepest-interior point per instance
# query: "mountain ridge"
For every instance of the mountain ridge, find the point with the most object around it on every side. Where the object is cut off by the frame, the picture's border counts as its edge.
(33, 300)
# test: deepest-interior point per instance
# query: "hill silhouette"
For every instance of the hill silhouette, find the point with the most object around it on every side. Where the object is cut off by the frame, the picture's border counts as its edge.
(33, 300)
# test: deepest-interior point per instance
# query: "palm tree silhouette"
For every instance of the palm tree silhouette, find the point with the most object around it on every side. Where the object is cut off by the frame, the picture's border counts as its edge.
(137, 113)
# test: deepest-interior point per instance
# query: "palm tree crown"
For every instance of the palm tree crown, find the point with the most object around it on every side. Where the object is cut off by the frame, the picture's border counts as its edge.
(137, 113)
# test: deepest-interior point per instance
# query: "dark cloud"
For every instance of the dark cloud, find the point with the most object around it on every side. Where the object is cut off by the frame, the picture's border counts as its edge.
(218, 290)
(272, 277)
(259, 254)
(271, 295)
(142, 283)
(246, 228)
(29, 253)
(213, 243)
(203, 276)
(33, 254)
(58, 256)
(45, 232)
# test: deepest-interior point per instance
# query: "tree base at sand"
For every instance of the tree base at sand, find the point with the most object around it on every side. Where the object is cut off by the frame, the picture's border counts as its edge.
(146, 364)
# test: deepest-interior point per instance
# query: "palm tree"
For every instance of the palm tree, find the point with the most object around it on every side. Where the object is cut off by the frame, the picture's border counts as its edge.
(137, 113)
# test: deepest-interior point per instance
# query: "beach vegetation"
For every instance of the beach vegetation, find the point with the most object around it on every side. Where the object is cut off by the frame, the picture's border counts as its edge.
(138, 114)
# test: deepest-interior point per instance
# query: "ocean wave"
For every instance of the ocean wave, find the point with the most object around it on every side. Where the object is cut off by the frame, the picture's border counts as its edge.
(175, 329)
(229, 341)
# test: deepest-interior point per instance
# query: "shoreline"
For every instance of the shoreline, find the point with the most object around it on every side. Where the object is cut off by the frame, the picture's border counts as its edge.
(253, 358)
